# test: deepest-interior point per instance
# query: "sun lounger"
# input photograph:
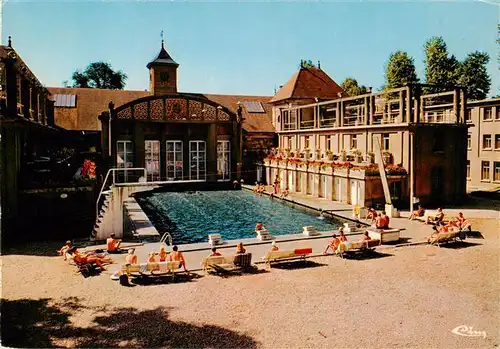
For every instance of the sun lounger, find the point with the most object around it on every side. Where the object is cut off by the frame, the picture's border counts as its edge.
(278, 256)
(237, 262)
(356, 246)
(443, 238)
(152, 269)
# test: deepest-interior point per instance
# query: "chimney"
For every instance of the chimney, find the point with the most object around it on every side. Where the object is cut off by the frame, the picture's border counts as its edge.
(319, 65)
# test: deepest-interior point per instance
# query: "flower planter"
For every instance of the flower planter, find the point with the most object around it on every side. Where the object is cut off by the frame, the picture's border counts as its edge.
(358, 158)
(329, 157)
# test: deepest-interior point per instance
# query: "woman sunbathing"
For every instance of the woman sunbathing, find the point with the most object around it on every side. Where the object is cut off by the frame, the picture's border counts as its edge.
(418, 213)
(462, 223)
(163, 254)
(81, 258)
(131, 258)
(436, 219)
(64, 249)
(372, 214)
(333, 244)
(240, 249)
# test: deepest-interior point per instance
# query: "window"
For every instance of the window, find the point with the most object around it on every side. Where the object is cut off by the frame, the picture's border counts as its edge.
(468, 115)
(290, 143)
(497, 142)
(486, 141)
(354, 141)
(497, 113)
(487, 113)
(197, 160)
(224, 160)
(152, 159)
(307, 142)
(174, 160)
(124, 158)
(385, 141)
(469, 141)
(496, 168)
(485, 170)
(18, 90)
(328, 142)
(468, 169)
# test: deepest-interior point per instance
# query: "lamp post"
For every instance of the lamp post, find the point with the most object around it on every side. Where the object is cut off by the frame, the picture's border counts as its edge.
(239, 121)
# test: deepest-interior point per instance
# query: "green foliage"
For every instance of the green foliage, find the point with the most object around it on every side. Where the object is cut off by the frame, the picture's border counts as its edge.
(474, 76)
(400, 70)
(352, 88)
(99, 75)
(440, 69)
(307, 64)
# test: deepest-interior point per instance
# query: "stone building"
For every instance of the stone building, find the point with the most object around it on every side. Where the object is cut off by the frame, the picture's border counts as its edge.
(483, 145)
(172, 133)
(27, 129)
(327, 148)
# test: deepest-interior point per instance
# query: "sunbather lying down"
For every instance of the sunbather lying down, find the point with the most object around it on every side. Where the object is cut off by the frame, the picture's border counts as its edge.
(88, 258)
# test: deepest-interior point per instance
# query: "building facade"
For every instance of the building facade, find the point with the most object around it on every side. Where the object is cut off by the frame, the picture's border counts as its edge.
(483, 145)
(163, 129)
(327, 148)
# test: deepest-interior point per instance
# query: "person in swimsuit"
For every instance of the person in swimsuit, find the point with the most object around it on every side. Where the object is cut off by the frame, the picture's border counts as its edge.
(333, 244)
(214, 253)
(81, 258)
(131, 258)
(418, 213)
(259, 226)
(163, 254)
(274, 247)
(240, 249)
(342, 237)
(366, 237)
(113, 244)
(64, 249)
(177, 256)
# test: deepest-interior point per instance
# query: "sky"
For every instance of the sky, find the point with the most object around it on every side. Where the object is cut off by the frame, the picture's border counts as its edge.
(244, 48)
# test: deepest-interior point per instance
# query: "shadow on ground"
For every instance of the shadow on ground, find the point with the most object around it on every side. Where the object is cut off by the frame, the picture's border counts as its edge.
(41, 248)
(459, 245)
(164, 279)
(297, 265)
(230, 273)
(366, 255)
(44, 323)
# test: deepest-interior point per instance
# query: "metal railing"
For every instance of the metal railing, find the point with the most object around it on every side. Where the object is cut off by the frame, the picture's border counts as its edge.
(113, 171)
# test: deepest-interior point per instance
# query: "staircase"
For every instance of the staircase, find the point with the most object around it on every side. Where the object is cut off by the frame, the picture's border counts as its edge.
(103, 222)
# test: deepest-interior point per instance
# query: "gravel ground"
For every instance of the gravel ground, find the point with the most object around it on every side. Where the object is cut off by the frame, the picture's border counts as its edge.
(411, 297)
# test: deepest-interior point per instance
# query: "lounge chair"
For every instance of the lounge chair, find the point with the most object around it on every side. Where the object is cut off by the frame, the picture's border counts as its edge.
(447, 237)
(278, 256)
(152, 269)
(237, 262)
(356, 246)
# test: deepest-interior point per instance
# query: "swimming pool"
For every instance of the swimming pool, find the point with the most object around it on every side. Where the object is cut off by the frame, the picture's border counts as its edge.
(191, 216)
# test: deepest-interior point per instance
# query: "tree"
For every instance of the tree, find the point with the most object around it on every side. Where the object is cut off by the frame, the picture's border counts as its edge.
(99, 75)
(352, 88)
(474, 76)
(440, 69)
(400, 70)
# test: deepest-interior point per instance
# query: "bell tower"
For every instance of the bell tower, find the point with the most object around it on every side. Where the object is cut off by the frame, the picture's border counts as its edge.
(163, 73)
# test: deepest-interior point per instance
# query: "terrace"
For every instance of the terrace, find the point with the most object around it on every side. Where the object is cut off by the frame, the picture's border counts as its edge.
(401, 106)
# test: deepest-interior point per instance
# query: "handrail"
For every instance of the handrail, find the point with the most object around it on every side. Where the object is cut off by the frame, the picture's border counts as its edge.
(113, 170)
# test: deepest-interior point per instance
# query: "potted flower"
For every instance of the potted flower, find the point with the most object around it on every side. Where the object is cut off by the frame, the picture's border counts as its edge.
(329, 155)
(343, 155)
(318, 153)
(307, 152)
(287, 152)
(370, 157)
(357, 155)
(387, 157)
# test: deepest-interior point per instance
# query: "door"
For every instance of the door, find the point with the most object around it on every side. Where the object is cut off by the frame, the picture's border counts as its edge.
(338, 189)
(223, 161)
(437, 184)
(325, 190)
(310, 183)
(152, 159)
(290, 181)
(197, 160)
(124, 159)
(174, 161)
(354, 192)
(321, 187)
(298, 184)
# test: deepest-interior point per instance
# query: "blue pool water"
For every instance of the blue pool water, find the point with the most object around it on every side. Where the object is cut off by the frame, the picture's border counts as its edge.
(190, 217)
